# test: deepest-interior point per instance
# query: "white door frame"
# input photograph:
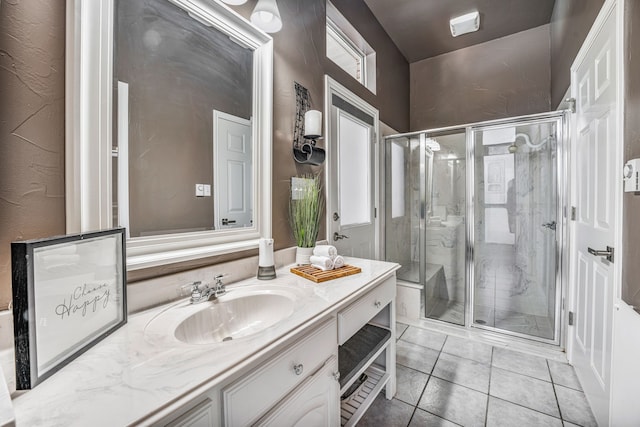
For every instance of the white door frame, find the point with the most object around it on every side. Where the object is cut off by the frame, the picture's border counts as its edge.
(332, 87)
(609, 7)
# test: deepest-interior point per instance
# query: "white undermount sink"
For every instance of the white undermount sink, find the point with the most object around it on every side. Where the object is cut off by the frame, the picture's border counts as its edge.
(238, 314)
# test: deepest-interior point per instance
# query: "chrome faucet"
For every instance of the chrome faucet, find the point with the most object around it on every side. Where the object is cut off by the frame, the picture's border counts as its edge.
(201, 293)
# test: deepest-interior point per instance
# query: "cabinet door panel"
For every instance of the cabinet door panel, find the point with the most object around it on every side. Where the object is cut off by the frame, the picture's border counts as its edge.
(313, 404)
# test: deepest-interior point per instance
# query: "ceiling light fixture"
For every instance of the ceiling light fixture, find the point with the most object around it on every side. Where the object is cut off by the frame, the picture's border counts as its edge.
(266, 16)
(234, 2)
(465, 24)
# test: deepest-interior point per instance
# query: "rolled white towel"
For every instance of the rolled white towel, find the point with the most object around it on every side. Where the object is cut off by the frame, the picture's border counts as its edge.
(321, 267)
(325, 250)
(338, 262)
(323, 261)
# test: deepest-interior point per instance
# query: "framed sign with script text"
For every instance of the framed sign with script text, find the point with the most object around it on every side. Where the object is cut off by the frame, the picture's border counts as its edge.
(69, 292)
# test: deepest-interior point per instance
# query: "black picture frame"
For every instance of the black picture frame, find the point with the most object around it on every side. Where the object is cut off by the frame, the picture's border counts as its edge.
(69, 293)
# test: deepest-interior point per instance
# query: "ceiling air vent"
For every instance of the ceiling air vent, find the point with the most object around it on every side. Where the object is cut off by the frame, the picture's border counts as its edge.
(465, 24)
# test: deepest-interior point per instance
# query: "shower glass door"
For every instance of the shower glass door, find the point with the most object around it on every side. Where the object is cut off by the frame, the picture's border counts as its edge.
(425, 212)
(517, 227)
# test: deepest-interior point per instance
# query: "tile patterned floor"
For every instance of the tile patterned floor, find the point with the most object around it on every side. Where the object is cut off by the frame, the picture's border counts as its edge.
(449, 381)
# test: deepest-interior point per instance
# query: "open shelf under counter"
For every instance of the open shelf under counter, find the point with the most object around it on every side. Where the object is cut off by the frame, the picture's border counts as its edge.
(357, 356)
(354, 407)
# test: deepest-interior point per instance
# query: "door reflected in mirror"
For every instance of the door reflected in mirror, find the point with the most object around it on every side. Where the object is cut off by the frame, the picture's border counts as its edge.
(182, 116)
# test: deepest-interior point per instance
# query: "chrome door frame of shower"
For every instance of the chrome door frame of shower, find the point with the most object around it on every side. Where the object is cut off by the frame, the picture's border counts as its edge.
(561, 220)
(561, 273)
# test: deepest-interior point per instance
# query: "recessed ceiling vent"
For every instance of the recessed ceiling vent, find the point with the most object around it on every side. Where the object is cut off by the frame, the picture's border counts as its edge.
(465, 24)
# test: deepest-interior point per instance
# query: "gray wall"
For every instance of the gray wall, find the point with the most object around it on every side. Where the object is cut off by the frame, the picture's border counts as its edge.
(501, 78)
(32, 39)
(631, 201)
(570, 24)
(176, 79)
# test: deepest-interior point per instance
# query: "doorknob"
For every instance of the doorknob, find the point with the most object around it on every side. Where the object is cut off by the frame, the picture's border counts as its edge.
(337, 236)
(608, 253)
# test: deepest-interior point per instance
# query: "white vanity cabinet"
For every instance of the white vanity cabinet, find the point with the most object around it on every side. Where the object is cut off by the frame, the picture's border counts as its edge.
(291, 374)
(296, 374)
(302, 385)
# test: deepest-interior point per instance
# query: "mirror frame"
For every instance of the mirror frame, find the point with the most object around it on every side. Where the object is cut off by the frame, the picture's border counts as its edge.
(88, 141)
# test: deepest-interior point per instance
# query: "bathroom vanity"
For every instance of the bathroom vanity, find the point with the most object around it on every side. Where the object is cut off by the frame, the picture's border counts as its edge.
(298, 347)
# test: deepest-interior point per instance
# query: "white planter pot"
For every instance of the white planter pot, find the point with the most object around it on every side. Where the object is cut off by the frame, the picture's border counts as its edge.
(303, 255)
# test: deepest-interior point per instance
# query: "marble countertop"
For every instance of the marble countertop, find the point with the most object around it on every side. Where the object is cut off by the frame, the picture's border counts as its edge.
(138, 376)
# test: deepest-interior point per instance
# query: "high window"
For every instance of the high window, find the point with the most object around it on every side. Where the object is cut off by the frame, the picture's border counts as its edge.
(349, 50)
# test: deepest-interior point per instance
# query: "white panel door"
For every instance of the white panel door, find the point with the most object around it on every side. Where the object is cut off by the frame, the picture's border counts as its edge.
(232, 152)
(352, 129)
(595, 141)
(353, 233)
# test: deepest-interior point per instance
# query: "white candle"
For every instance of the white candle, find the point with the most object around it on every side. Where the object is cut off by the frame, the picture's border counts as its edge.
(312, 124)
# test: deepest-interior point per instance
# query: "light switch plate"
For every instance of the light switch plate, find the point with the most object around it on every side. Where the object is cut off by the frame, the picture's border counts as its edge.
(297, 187)
(199, 190)
(207, 190)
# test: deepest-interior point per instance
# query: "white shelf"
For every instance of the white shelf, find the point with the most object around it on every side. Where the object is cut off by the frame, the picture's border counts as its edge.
(352, 409)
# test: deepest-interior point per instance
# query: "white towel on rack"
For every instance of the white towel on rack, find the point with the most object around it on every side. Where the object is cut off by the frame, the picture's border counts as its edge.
(338, 262)
(324, 262)
(325, 250)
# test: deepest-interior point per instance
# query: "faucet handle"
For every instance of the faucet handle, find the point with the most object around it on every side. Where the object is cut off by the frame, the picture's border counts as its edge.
(190, 288)
(220, 288)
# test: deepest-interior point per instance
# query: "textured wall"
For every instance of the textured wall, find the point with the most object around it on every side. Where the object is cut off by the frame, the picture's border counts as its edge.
(570, 23)
(502, 78)
(631, 201)
(32, 38)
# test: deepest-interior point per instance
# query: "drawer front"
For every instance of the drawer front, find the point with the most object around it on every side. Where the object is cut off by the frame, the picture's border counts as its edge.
(354, 317)
(251, 396)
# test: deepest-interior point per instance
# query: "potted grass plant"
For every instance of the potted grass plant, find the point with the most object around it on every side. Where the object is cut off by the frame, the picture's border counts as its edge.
(305, 209)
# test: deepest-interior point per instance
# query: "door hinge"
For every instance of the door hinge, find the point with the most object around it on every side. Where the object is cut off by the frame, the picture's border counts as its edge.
(375, 212)
(571, 318)
(574, 213)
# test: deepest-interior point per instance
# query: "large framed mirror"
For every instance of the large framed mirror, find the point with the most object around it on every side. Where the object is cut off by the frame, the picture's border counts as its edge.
(169, 106)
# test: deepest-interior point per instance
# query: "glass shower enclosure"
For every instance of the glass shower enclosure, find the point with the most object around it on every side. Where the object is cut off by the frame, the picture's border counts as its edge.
(473, 215)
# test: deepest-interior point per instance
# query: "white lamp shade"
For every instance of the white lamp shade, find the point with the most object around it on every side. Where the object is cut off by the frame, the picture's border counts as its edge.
(266, 16)
(312, 124)
(234, 2)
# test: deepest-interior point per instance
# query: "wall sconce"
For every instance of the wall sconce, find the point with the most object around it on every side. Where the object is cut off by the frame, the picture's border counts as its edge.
(308, 129)
(266, 16)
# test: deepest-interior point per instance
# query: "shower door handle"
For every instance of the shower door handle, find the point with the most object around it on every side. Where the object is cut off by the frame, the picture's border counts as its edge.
(608, 253)
(550, 225)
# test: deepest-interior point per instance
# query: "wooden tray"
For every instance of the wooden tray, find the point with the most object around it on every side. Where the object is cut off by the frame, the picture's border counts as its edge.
(317, 275)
